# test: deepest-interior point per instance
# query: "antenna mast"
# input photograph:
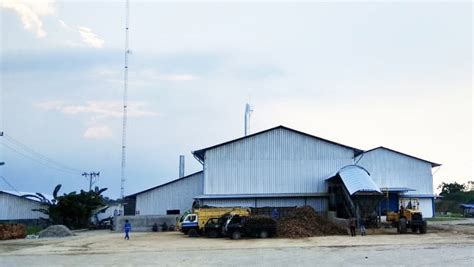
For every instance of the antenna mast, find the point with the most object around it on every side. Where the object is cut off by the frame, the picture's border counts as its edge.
(125, 101)
(248, 111)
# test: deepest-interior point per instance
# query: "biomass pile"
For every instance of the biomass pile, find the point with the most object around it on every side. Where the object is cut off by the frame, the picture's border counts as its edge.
(305, 222)
(56, 231)
(12, 231)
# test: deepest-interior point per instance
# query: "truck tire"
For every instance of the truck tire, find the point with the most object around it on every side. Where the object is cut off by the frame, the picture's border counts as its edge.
(212, 234)
(236, 235)
(414, 229)
(403, 226)
(423, 228)
(263, 234)
(192, 233)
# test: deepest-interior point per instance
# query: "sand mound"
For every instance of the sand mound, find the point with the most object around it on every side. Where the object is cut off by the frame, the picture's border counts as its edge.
(56, 231)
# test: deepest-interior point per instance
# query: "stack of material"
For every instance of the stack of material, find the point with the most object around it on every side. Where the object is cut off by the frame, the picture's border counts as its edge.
(56, 231)
(305, 222)
(12, 231)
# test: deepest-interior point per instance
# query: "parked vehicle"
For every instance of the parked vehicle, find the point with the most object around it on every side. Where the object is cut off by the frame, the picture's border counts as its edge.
(193, 224)
(251, 226)
(215, 226)
(407, 219)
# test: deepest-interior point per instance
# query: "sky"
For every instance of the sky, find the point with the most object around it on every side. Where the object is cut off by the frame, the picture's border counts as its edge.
(362, 74)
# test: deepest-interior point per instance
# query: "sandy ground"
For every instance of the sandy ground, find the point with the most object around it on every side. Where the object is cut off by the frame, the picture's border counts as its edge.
(446, 243)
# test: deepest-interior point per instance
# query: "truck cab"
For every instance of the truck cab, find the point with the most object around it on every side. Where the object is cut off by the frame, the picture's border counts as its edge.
(190, 222)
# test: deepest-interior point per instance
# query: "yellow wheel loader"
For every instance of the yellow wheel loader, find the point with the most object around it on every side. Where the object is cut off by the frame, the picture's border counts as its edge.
(407, 219)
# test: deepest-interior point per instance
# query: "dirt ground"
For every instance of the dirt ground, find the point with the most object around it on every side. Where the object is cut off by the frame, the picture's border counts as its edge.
(446, 243)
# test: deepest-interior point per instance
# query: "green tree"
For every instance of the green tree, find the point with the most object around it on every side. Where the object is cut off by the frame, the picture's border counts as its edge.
(451, 188)
(72, 209)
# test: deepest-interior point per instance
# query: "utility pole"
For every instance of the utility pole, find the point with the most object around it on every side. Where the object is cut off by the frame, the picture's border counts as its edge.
(91, 175)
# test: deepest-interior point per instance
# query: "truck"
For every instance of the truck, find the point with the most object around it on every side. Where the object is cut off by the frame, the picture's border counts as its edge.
(250, 226)
(407, 219)
(193, 223)
(214, 226)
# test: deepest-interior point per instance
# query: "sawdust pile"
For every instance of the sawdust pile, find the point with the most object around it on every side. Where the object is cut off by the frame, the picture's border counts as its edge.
(305, 222)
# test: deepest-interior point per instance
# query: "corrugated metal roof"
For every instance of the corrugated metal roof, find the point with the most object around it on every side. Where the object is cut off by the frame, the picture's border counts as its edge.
(158, 186)
(357, 179)
(283, 195)
(20, 194)
(396, 189)
(433, 164)
(418, 196)
(200, 153)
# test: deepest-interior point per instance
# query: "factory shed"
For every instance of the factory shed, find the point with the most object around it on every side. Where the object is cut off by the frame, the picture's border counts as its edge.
(17, 209)
(283, 167)
(174, 197)
(277, 167)
(402, 178)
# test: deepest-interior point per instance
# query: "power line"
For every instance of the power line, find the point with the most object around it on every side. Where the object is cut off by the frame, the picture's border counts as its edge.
(37, 154)
(39, 161)
(6, 181)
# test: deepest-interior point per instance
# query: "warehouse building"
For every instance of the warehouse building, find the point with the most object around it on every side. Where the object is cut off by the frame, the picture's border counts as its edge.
(174, 197)
(17, 209)
(283, 167)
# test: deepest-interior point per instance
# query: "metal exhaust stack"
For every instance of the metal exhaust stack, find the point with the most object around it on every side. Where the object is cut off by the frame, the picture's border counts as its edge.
(181, 166)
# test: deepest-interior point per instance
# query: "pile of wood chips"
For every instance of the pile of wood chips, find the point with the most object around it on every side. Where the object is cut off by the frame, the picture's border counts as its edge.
(12, 231)
(305, 222)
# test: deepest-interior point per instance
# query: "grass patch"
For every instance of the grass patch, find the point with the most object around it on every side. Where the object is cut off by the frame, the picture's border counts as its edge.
(445, 218)
(33, 230)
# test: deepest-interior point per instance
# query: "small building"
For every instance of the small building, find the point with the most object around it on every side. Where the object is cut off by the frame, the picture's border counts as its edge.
(174, 197)
(14, 208)
(467, 210)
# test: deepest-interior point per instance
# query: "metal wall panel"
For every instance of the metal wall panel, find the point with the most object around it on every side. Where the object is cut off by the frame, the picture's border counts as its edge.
(390, 169)
(319, 204)
(278, 161)
(17, 208)
(426, 207)
(280, 202)
(241, 202)
(177, 195)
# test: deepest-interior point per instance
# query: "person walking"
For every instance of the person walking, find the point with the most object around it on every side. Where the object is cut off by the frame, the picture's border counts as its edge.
(352, 226)
(362, 226)
(127, 228)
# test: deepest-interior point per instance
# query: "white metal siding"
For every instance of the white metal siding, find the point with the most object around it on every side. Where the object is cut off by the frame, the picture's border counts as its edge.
(426, 207)
(278, 161)
(17, 208)
(280, 202)
(319, 204)
(176, 195)
(390, 169)
(241, 202)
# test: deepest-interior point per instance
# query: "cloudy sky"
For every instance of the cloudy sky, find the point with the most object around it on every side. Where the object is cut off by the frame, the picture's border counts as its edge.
(362, 74)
